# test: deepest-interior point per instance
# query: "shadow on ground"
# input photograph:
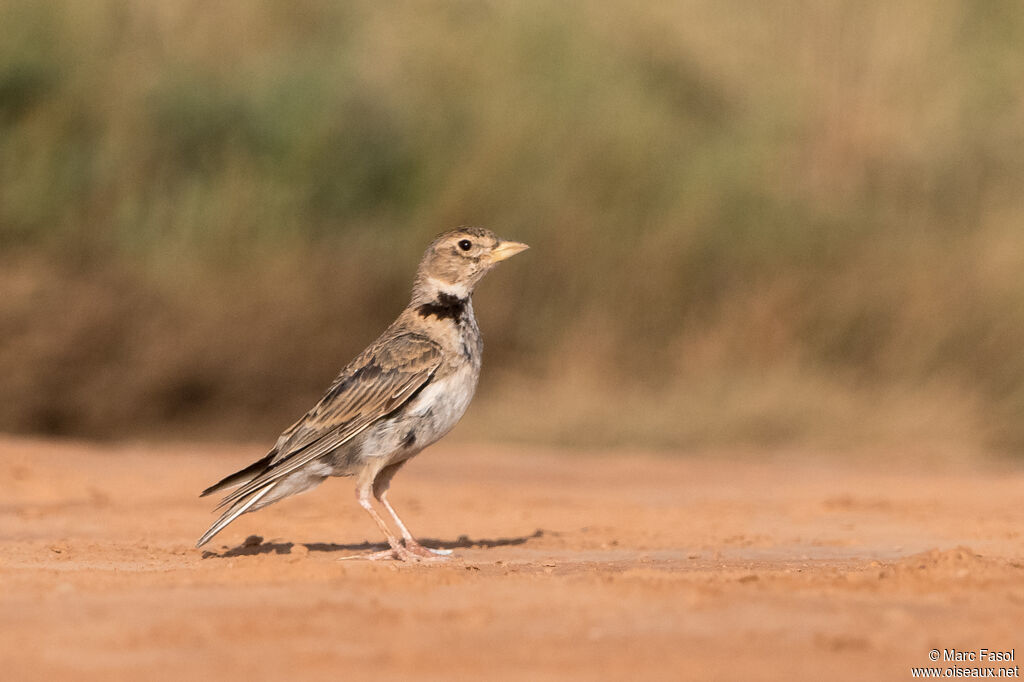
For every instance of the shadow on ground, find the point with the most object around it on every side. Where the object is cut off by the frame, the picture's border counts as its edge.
(254, 545)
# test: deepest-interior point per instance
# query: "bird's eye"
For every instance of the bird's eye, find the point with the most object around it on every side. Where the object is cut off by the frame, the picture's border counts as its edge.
(465, 244)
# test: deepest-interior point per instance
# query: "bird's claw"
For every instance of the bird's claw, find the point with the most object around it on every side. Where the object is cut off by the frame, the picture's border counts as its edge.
(414, 553)
(425, 553)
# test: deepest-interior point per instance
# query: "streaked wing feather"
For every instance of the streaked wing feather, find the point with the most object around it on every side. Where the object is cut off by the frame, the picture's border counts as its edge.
(371, 387)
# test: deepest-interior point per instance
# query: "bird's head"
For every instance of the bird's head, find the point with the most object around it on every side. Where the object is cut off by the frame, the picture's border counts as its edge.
(458, 259)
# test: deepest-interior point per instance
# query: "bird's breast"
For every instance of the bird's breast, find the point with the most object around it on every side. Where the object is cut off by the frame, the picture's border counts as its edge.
(443, 401)
(432, 413)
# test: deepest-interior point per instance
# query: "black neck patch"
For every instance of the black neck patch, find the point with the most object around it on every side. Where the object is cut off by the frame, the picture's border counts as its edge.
(447, 306)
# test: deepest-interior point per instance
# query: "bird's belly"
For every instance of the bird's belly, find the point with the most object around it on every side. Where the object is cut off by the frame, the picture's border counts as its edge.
(440, 405)
(428, 417)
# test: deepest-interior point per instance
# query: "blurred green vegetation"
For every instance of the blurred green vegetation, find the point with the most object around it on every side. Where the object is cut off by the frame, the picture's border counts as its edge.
(753, 223)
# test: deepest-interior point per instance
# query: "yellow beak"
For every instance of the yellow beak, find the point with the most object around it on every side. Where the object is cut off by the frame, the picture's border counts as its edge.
(506, 250)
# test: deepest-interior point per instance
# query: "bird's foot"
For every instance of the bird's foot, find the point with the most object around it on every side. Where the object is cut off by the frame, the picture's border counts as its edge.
(376, 556)
(426, 553)
(415, 553)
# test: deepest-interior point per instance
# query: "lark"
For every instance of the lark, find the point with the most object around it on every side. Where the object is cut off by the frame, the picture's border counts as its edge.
(403, 393)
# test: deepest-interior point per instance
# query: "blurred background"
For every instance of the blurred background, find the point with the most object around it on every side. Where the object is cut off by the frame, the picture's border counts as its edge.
(785, 224)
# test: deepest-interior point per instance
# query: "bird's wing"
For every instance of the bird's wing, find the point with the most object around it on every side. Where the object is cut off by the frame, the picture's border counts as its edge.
(382, 379)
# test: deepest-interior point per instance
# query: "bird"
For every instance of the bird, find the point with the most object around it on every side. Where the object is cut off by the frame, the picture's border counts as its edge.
(401, 394)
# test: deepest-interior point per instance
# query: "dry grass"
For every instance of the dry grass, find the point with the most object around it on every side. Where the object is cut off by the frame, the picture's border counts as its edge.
(766, 223)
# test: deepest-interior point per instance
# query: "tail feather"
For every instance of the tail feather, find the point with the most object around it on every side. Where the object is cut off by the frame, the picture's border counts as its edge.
(244, 476)
(236, 510)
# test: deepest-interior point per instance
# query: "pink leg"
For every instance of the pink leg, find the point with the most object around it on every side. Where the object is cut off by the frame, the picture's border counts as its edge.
(381, 484)
(397, 551)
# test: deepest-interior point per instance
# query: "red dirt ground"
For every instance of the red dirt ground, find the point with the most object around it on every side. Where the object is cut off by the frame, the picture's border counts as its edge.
(567, 566)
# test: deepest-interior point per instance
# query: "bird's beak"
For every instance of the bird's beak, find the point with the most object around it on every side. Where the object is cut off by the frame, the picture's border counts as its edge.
(506, 250)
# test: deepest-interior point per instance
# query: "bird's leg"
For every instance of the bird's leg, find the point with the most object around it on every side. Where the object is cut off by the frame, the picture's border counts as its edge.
(381, 484)
(397, 551)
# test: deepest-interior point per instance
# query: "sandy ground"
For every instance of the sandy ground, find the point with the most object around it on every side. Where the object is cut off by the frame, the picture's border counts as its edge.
(567, 566)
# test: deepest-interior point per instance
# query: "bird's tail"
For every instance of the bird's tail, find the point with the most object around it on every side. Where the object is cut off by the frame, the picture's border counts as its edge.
(244, 476)
(241, 506)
